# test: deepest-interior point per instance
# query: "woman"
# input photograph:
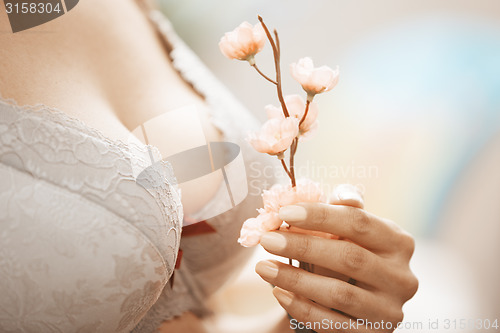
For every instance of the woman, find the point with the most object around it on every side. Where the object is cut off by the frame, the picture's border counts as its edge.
(87, 248)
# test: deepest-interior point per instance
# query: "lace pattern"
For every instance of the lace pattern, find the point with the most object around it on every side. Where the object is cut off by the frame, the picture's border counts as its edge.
(50, 145)
(68, 264)
(76, 172)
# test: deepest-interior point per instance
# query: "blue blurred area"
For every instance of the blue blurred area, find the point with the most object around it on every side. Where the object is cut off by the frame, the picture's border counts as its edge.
(439, 71)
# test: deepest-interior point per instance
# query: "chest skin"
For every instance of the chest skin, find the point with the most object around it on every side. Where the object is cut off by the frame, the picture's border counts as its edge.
(104, 64)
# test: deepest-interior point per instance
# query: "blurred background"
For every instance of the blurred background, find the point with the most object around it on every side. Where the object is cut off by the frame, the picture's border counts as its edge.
(414, 122)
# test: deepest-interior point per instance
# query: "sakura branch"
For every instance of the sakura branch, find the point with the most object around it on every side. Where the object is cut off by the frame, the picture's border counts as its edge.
(293, 121)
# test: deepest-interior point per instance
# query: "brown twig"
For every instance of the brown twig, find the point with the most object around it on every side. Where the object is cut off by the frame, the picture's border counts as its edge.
(275, 45)
(278, 75)
(293, 150)
(277, 42)
(264, 75)
(305, 112)
(276, 53)
(286, 169)
(293, 147)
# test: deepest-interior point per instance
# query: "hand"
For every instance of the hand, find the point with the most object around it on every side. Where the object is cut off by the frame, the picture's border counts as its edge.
(373, 251)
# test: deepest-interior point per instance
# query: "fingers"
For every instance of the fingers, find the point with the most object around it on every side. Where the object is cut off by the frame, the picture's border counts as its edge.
(328, 292)
(339, 256)
(347, 195)
(324, 320)
(352, 223)
(309, 232)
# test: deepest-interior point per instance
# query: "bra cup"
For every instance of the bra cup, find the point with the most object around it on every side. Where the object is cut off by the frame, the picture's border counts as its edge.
(69, 263)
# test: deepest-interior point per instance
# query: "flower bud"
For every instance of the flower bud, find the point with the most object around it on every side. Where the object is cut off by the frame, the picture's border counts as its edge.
(244, 42)
(314, 80)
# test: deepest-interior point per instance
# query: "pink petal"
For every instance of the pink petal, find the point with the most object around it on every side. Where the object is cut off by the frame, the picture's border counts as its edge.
(273, 112)
(298, 72)
(250, 233)
(321, 79)
(309, 133)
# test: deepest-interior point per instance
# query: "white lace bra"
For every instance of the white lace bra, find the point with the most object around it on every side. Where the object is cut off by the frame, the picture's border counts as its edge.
(84, 247)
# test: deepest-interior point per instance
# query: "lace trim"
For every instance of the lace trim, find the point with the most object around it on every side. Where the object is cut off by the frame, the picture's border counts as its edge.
(136, 150)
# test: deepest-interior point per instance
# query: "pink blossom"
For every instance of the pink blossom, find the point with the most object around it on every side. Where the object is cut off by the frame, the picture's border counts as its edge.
(272, 198)
(276, 197)
(251, 232)
(244, 42)
(296, 107)
(254, 228)
(270, 220)
(308, 191)
(314, 80)
(283, 195)
(275, 136)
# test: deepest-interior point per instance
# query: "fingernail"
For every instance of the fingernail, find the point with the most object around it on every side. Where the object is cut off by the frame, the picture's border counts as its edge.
(273, 241)
(347, 192)
(283, 296)
(293, 213)
(350, 195)
(267, 269)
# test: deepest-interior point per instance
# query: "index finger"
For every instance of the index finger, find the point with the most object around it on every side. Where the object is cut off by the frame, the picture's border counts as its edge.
(359, 226)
